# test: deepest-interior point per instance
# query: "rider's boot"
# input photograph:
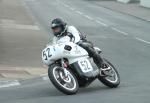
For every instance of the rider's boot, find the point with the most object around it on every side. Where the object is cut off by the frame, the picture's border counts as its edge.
(101, 64)
(97, 59)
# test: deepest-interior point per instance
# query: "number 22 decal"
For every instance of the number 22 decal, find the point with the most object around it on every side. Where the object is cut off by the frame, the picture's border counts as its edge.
(46, 54)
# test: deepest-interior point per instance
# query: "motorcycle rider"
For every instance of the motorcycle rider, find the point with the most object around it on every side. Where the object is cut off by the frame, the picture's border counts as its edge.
(62, 32)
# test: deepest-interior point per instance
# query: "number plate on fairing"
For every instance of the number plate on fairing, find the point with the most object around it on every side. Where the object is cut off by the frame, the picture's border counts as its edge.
(46, 54)
(85, 65)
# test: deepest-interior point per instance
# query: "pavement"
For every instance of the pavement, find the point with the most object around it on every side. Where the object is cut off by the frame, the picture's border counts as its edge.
(124, 40)
(20, 73)
(20, 38)
(133, 9)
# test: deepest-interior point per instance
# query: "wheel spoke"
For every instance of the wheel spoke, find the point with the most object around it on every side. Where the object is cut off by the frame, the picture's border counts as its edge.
(111, 75)
(60, 78)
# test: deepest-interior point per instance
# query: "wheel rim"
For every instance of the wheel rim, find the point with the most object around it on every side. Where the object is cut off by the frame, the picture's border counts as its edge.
(111, 76)
(68, 82)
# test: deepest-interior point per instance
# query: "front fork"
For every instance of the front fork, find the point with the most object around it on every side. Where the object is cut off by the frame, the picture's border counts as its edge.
(64, 67)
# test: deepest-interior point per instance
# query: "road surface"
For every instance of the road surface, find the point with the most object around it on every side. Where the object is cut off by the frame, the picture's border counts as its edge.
(124, 39)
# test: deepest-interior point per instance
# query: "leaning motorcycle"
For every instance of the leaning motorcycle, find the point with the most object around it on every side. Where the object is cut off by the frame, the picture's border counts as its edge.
(70, 67)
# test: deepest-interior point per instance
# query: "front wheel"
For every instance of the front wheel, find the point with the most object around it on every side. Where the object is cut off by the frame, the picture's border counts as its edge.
(66, 84)
(112, 78)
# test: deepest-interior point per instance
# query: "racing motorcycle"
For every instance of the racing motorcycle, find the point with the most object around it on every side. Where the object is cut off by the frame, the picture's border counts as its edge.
(70, 67)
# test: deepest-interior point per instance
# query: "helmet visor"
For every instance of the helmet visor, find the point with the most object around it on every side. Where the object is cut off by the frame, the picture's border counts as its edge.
(56, 29)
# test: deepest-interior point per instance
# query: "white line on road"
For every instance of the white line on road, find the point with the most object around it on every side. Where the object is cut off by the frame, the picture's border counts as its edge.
(120, 31)
(79, 12)
(98, 36)
(7, 23)
(99, 22)
(148, 20)
(44, 76)
(9, 83)
(88, 17)
(19, 26)
(101, 19)
(66, 5)
(72, 8)
(139, 39)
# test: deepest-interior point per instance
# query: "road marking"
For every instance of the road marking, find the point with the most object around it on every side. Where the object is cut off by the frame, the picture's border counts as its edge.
(9, 83)
(148, 20)
(101, 19)
(120, 31)
(139, 39)
(79, 12)
(72, 8)
(99, 22)
(106, 21)
(31, 0)
(44, 76)
(97, 36)
(18, 26)
(7, 23)
(88, 17)
(65, 5)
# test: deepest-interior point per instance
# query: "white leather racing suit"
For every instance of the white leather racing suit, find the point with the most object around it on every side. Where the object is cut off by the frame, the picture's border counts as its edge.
(73, 35)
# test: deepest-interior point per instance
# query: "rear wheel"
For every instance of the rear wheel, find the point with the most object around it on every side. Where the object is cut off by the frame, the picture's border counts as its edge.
(111, 76)
(66, 84)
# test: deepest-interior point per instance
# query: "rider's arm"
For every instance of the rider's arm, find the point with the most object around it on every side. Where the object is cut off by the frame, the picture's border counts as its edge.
(64, 39)
(74, 34)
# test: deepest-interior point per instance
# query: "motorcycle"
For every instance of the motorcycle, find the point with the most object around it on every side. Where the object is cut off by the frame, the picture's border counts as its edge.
(70, 67)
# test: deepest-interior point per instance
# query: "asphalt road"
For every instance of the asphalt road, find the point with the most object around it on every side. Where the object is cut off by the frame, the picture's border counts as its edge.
(123, 39)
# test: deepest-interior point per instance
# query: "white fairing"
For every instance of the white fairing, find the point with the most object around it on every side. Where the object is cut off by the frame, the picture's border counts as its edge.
(54, 52)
